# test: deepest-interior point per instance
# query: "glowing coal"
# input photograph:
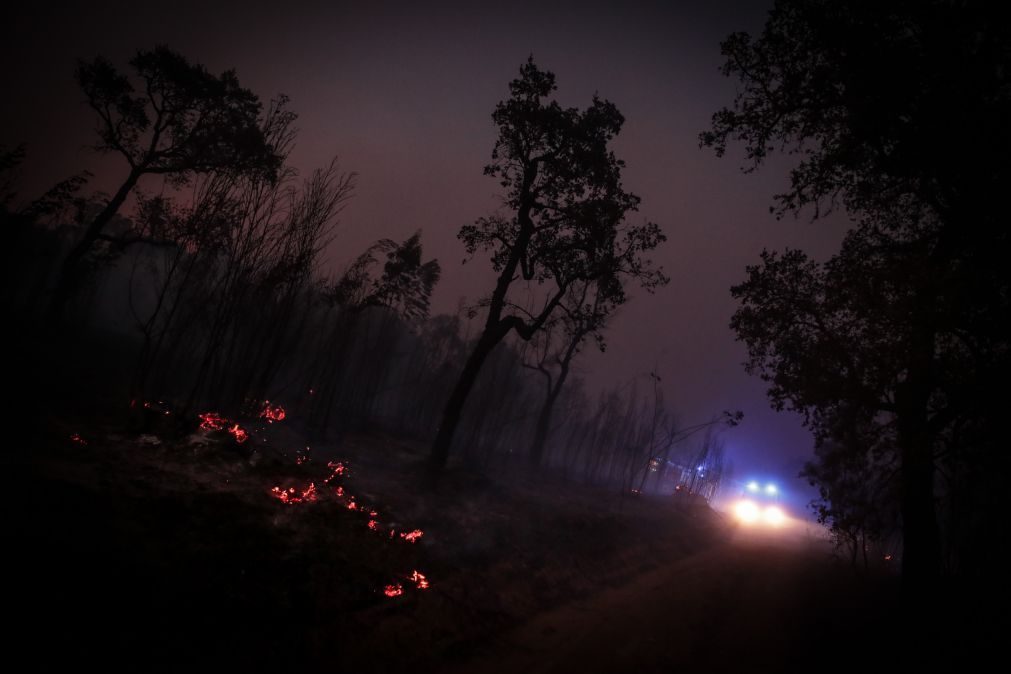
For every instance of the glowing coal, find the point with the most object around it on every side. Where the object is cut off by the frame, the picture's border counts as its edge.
(419, 580)
(272, 413)
(291, 497)
(238, 433)
(412, 536)
(212, 421)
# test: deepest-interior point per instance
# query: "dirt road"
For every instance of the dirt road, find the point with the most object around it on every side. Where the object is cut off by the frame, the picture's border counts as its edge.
(751, 604)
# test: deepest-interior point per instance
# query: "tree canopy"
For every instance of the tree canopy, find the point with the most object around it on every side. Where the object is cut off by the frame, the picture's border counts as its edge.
(176, 120)
(565, 220)
(894, 111)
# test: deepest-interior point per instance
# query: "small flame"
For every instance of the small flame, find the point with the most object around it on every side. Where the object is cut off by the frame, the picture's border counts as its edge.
(393, 590)
(210, 421)
(240, 435)
(338, 469)
(290, 496)
(374, 525)
(412, 536)
(420, 580)
(272, 413)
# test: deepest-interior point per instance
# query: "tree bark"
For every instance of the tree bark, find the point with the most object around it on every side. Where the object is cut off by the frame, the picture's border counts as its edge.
(454, 406)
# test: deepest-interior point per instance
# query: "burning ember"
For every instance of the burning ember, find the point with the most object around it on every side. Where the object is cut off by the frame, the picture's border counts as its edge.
(413, 536)
(157, 407)
(291, 497)
(76, 437)
(338, 469)
(240, 435)
(212, 421)
(272, 413)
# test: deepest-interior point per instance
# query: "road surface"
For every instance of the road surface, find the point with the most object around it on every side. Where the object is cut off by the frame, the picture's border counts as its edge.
(752, 604)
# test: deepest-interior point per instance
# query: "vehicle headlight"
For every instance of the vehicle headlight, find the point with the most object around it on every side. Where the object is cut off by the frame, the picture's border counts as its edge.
(774, 516)
(747, 512)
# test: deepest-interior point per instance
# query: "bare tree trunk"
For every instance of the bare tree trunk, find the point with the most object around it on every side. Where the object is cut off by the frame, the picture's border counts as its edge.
(454, 406)
(70, 269)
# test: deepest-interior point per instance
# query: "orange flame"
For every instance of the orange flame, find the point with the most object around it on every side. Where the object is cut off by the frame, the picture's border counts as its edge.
(212, 421)
(240, 435)
(290, 497)
(272, 413)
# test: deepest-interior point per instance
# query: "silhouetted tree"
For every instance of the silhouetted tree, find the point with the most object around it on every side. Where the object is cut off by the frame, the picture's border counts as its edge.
(897, 111)
(855, 479)
(175, 120)
(567, 223)
(403, 288)
(581, 315)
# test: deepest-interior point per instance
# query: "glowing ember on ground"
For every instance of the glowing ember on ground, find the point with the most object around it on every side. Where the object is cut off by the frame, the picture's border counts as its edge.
(302, 458)
(374, 525)
(420, 580)
(240, 435)
(290, 497)
(413, 536)
(340, 491)
(393, 590)
(352, 505)
(212, 421)
(272, 413)
(76, 437)
(338, 469)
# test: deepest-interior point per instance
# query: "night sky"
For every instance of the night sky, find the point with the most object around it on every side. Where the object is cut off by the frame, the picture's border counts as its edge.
(403, 93)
